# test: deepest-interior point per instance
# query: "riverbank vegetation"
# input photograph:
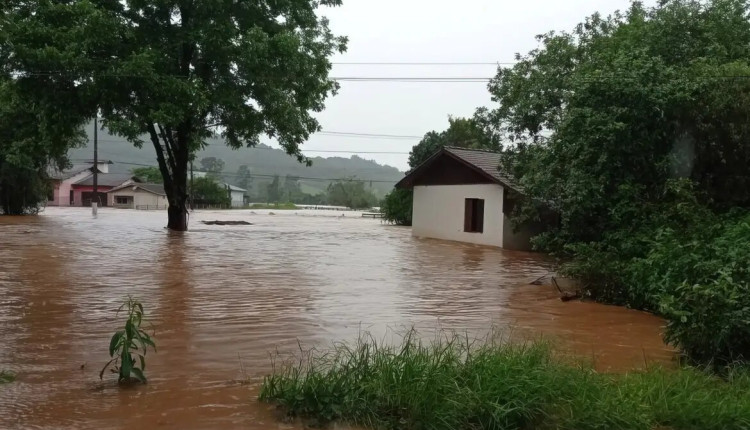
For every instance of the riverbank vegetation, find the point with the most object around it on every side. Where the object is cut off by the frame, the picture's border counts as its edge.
(454, 383)
(277, 206)
(633, 128)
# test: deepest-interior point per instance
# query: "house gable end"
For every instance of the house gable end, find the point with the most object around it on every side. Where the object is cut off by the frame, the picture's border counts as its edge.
(446, 170)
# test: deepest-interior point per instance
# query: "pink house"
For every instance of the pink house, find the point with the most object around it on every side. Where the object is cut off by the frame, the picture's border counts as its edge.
(83, 190)
(62, 182)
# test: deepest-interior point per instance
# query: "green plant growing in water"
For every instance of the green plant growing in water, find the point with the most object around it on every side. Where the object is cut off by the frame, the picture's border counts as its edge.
(128, 344)
(6, 377)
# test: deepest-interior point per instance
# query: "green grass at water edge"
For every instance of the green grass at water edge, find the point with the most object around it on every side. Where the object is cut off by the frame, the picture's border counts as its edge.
(6, 377)
(454, 383)
(277, 206)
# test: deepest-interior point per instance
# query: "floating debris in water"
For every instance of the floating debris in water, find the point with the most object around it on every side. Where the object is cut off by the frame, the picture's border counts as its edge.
(226, 223)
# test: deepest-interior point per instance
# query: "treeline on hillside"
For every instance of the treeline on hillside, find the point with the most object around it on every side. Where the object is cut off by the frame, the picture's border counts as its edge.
(262, 162)
(633, 127)
(210, 190)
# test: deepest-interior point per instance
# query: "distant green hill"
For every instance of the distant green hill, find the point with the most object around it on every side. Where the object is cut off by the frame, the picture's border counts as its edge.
(263, 163)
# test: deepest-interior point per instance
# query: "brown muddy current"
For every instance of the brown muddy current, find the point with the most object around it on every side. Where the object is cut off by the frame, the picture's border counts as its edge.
(225, 298)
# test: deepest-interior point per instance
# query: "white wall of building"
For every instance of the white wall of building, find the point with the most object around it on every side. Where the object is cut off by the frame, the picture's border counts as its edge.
(439, 212)
(238, 198)
(139, 198)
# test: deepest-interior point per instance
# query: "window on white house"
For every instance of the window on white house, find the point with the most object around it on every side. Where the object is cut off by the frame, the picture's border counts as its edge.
(121, 200)
(474, 215)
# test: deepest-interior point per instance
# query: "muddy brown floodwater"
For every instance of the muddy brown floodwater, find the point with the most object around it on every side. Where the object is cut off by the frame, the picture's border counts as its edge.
(219, 296)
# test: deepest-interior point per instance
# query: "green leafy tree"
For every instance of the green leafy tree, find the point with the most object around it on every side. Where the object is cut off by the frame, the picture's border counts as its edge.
(244, 178)
(351, 194)
(634, 128)
(273, 194)
(397, 206)
(610, 113)
(213, 167)
(179, 71)
(34, 137)
(206, 191)
(151, 175)
(292, 190)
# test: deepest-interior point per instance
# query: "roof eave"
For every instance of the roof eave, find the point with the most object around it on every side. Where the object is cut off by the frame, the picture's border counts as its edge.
(416, 171)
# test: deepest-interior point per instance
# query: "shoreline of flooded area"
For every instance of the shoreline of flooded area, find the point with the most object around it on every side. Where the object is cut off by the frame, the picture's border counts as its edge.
(223, 299)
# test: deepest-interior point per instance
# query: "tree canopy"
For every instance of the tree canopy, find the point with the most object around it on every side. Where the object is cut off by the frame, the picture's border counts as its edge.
(179, 71)
(461, 133)
(34, 138)
(634, 128)
(601, 118)
(148, 174)
(206, 191)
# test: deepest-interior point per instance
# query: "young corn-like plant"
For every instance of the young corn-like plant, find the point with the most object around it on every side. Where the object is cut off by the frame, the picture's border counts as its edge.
(128, 347)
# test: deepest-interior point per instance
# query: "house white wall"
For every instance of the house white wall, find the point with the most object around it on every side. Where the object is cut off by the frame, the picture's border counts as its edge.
(139, 197)
(238, 198)
(439, 212)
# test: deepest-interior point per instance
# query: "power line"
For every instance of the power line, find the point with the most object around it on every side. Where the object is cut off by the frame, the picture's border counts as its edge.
(376, 135)
(258, 175)
(408, 63)
(313, 151)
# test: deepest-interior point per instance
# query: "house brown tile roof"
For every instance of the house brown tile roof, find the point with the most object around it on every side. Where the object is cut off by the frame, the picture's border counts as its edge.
(107, 179)
(485, 162)
(488, 162)
(151, 188)
(68, 173)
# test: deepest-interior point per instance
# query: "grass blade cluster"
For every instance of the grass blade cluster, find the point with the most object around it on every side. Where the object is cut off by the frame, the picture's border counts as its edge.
(452, 383)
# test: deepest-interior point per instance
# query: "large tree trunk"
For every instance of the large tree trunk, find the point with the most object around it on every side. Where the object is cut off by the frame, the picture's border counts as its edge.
(178, 194)
(173, 154)
(177, 217)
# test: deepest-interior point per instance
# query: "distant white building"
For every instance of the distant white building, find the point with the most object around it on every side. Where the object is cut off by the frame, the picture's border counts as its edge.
(237, 195)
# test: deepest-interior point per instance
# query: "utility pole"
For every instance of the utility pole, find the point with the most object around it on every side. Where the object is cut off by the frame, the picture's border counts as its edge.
(95, 198)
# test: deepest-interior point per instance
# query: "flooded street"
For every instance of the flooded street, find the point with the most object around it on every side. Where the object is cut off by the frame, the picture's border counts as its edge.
(225, 298)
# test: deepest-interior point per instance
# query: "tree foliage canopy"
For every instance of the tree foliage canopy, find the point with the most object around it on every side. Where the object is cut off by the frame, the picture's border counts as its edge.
(612, 111)
(148, 174)
(179, 71)
(206, 191)
(34, 137)
(634, 128)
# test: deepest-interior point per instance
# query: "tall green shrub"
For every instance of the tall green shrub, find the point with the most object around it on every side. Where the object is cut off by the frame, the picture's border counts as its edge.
(397, 206)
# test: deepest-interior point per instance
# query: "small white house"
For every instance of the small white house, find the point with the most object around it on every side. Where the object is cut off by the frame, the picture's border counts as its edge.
(461, 195)
(237, 195)
(138, 196)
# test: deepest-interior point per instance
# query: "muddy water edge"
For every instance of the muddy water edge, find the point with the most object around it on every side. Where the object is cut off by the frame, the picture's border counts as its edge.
(222, 300)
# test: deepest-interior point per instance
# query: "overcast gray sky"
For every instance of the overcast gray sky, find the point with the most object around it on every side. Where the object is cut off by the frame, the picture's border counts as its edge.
(428, 31)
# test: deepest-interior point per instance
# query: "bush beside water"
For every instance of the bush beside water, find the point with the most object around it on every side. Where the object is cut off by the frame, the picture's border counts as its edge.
(683, 262)
(455, 384)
